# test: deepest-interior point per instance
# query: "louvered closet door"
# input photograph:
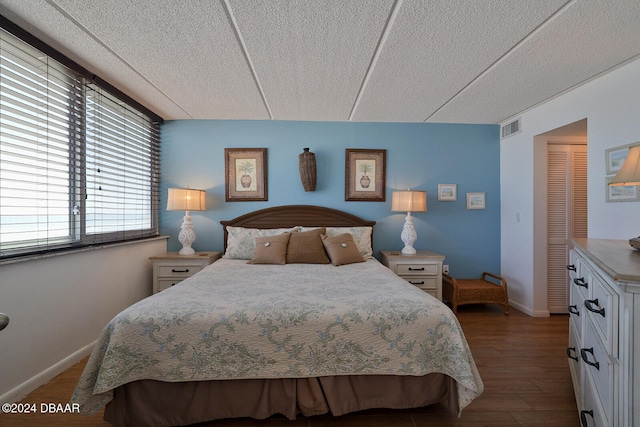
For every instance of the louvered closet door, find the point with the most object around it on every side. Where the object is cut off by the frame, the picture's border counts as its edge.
(566, 216)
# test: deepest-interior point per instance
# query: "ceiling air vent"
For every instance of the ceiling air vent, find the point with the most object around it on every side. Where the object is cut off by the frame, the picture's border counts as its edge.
(511, 128)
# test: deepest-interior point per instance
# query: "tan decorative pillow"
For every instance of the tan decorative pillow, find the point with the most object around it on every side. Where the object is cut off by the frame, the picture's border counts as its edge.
(342, 249)
(271, 249)
(306, 248)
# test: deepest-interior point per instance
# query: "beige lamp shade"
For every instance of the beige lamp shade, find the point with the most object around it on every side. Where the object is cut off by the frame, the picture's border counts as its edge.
(186, 199)
(409, 201)
(630, 172)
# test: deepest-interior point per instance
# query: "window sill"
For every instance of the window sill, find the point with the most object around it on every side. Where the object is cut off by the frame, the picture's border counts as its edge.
(71, 251)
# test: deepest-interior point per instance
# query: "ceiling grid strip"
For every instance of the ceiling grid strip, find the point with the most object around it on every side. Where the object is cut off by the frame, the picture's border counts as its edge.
(245, 52)
(383, 37)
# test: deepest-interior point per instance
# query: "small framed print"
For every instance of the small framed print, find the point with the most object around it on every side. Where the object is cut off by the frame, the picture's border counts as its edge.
(365, 175)
(245, 174)
(615, 158)
(476, 201)
(447, 192)
(621, 193)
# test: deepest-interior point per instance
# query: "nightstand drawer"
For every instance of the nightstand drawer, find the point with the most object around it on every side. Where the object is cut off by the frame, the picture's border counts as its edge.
(416, 269)
(178, 270)
(167, 283)
(423, 282)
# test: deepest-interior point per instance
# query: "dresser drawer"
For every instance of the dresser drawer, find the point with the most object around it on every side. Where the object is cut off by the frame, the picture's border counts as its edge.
(576, 309)
(573, 356)
(598, 365)
(579, 275)
(592, 413)
(416, 269)
(423, 282)
(600, 309)
(178, 270)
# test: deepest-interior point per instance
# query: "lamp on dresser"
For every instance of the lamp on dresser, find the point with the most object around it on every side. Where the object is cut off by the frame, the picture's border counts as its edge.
(409, 201)
(186, 199)
(629, 174)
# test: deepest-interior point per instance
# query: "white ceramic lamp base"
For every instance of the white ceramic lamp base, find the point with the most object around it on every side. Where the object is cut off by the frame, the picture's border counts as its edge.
(408, 236)
(187, 236)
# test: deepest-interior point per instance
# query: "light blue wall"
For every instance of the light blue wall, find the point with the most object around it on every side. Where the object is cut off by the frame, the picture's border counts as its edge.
(419, 156)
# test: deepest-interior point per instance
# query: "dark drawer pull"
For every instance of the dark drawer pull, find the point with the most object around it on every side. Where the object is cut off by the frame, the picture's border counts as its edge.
(417, 283)
(416, 269)
(584, 352)
(583, 417)
(590, 303)
(580, 282)
(173, 270)
(573, 309)
(570, 356)
(572, 267)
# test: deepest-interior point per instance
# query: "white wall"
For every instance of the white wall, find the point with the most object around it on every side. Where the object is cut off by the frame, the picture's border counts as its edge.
(58, 306)
(611, 105)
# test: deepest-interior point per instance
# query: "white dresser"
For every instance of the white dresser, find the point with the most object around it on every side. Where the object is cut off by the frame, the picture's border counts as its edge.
(604, 332)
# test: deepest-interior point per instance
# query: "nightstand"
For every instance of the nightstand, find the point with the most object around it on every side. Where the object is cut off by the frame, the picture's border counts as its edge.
(424, 269)
(171, 268)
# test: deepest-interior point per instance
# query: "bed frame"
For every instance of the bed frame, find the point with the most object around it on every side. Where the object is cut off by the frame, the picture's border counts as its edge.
(292, 215)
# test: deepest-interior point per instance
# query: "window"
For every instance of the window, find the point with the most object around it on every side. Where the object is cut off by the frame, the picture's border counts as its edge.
(78, 166)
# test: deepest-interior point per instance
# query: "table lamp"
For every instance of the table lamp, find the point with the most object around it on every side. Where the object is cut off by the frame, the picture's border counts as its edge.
(186, 199)
(409, 201)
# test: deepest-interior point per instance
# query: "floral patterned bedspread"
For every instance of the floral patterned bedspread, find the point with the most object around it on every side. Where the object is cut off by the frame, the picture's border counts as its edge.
(233, 320)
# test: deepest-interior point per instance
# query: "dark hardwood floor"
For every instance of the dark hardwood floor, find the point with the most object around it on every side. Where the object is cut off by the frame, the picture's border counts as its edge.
(522, 361)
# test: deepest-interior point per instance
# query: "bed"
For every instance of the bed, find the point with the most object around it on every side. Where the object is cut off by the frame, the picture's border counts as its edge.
(257, 337)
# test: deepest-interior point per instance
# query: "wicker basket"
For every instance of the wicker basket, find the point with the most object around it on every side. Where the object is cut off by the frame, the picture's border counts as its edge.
(475, 291)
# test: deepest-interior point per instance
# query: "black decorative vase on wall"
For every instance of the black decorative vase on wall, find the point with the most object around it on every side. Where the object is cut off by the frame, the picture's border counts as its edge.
(307, 167)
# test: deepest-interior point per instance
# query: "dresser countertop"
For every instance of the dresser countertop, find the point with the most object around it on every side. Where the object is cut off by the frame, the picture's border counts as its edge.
(615, 257)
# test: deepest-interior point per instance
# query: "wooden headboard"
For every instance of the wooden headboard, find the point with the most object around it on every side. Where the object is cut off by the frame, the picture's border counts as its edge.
(292, 215)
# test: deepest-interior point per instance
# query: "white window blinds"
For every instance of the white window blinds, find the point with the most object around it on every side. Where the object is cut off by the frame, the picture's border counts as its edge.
(77, 165)
(121, 169)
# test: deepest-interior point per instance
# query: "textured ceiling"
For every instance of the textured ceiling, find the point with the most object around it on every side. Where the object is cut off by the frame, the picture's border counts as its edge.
(339, 60)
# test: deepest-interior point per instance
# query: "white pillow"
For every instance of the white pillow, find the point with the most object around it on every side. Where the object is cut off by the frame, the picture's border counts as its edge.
(361, 235)
(241, 242)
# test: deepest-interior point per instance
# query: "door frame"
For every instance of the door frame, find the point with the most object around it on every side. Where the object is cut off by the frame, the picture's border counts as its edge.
(540, 142)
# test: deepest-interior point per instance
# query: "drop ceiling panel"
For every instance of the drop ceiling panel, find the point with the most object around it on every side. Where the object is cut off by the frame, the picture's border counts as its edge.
(55, 28)
(538, 70)
(311, 56)
(186, 47)
(435, 48)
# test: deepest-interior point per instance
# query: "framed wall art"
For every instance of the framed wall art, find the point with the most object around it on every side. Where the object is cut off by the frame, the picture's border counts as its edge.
(365, 173)
(447, 192)
(621, 193)
(476, 201)
(245, 174)
(615, 158)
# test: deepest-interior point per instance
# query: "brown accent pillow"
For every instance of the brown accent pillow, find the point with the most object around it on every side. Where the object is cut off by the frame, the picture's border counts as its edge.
(271, 249)
(306, 247)
(342, 249)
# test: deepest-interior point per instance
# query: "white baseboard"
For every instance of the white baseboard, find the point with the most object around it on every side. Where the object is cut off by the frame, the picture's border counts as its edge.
(529, 310)
(18, 393)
